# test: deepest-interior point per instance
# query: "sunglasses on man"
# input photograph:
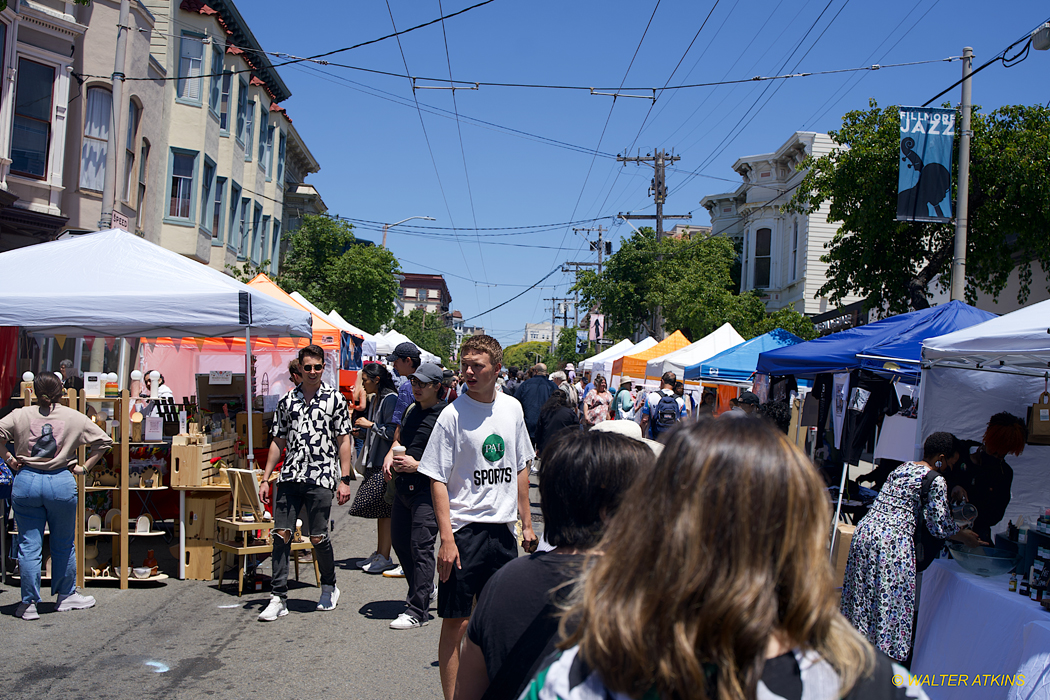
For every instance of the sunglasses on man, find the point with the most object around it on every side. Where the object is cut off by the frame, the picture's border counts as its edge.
(313, 368)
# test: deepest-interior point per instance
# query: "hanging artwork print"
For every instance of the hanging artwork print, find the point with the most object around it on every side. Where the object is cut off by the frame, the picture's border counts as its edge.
(924, 183)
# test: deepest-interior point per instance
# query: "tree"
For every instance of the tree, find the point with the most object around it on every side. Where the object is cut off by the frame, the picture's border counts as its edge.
(247, 271)
(525, 355)
(329, 267)
(693, 284)
(566, 350)
(893, 264)
(428, 331)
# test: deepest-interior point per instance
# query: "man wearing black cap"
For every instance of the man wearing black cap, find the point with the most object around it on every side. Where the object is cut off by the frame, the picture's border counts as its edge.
(406, 361)
(746, 402)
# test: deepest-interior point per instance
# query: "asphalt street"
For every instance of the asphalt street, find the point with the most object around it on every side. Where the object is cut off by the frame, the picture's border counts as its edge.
(188, 639)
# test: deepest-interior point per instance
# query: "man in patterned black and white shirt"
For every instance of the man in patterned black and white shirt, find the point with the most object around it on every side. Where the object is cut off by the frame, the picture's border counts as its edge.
(313, 422)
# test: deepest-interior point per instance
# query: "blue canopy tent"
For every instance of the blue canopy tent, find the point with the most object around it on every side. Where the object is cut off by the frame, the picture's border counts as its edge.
(894, 340)
(737, 364)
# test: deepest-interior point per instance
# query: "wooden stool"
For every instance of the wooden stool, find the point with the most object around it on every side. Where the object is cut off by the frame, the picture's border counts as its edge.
(239, 551)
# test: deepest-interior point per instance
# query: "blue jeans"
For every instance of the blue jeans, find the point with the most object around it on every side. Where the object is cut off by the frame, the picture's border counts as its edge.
(41, 497)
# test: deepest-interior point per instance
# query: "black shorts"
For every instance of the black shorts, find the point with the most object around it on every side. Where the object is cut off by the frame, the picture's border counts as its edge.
(483, 549)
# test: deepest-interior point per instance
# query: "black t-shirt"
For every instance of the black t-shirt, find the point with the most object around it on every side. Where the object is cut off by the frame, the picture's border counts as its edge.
(416, 426)
(987, 485)
(512, 599)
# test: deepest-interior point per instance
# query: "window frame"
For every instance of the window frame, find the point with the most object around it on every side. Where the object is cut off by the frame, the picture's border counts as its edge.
(249, 130)
(143, 175)
(768, 258)
(253, 240)
(264, 238)
(216, 79)
(216, 207)
(191, 219)
(49, 123)
(794, 253)
(131, 141)
(96, 89)
(267, 164)
(242, 243)
(182, 83)
(225, 101)
(242, 111)
(207, 193)
(275, 243)
(235, 197)
(281, 154)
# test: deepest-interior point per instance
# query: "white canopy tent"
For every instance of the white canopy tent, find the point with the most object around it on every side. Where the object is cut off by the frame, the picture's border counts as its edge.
(999, 365)
(369, 344)
(115, 284)
(603, 361)
(722, 338)
(386, 342)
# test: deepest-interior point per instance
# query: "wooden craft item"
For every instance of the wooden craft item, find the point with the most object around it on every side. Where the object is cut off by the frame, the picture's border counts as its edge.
(113, 520)
(150, 479)
(91, 558)
(245, 490)
(94, 523)
(136, 427)
(143, 524)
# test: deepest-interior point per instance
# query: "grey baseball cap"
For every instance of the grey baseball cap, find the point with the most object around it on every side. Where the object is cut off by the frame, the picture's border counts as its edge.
(428, 373)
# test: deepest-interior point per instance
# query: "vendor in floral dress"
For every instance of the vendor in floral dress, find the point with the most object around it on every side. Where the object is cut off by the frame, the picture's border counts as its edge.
(878, 591)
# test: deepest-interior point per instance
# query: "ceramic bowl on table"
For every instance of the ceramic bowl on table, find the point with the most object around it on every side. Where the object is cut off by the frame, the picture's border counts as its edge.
(984, 561)
(141, 572)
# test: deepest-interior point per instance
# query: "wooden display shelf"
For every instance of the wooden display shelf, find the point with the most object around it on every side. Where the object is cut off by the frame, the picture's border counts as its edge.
(205, 487)
(115, 579)
(90, 489)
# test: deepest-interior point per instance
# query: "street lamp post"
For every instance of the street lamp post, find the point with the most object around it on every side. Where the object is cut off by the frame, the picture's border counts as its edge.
(386, 226)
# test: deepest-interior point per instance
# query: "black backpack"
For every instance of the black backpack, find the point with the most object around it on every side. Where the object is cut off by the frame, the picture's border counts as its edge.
(927, 547)
(666, 414)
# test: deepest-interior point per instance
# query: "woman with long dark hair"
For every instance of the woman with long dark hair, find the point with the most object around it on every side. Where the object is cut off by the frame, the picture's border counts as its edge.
(555, 415)
(713, 581)
(44, 491)
(379, 425)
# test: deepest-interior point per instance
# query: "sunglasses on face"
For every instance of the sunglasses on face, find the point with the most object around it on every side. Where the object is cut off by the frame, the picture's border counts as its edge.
(417, 383)
(313, 368)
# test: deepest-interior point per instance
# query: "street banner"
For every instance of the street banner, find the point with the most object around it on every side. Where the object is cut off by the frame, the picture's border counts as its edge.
(924, 183)
(596, 327)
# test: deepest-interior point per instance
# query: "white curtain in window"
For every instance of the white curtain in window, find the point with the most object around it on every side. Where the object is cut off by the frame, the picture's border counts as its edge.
(191, 59)
(96, 137)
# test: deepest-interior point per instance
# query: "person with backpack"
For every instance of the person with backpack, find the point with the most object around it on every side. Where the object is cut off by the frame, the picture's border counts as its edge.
(663, 408)
(878, 589)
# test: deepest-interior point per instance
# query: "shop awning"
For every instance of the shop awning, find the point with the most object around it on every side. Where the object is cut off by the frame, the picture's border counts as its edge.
(634, 365)
(738, 363)
(722, 338)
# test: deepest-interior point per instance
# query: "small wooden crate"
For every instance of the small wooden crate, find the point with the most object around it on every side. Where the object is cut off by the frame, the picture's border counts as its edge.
(202, 560)
(201, 511)
(191, 464)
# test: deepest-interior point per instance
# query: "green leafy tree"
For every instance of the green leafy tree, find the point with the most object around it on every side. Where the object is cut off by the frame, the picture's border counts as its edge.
(893, 264)
(525, 355)
(428, 331)
(327, 266)
(566, 349)
(247, 271)
(693, 283)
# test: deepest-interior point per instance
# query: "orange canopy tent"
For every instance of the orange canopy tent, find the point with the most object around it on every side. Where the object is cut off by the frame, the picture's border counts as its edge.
(634, 365)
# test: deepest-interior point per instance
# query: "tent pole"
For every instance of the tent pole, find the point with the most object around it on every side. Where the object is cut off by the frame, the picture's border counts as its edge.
(838, 506)
(248, 391)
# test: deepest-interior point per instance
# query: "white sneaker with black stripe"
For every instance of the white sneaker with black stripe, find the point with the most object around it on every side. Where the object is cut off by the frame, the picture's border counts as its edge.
(406, 621)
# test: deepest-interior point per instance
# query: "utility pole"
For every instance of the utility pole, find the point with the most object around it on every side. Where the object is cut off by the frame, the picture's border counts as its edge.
(602, 246)
(576, 300)
(962, 203)
(554, 311)
(109, 185)
(658, 189)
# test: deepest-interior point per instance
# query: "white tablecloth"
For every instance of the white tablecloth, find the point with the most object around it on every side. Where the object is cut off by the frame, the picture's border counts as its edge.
(973, 625)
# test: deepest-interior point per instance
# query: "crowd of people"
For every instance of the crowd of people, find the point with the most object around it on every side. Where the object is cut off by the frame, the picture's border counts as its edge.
(682, 555)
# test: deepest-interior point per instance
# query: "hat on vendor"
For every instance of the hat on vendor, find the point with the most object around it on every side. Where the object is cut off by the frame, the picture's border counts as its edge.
(404, 350)
(748, 398)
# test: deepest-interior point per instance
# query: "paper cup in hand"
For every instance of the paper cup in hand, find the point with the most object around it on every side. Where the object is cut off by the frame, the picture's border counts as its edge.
(399, 451)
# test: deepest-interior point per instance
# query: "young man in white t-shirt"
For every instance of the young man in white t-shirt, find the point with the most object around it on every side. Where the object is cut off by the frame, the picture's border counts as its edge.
(477, 458)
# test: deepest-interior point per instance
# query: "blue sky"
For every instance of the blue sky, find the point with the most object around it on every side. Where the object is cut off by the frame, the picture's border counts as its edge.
(377, 165)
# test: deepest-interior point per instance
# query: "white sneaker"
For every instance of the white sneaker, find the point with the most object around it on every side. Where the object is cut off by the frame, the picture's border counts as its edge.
(27, 611)
(380, 565)
(396, 572)
(278, 607)
(74, 601)
(405, 621)
(329, 597)
(365, 562)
